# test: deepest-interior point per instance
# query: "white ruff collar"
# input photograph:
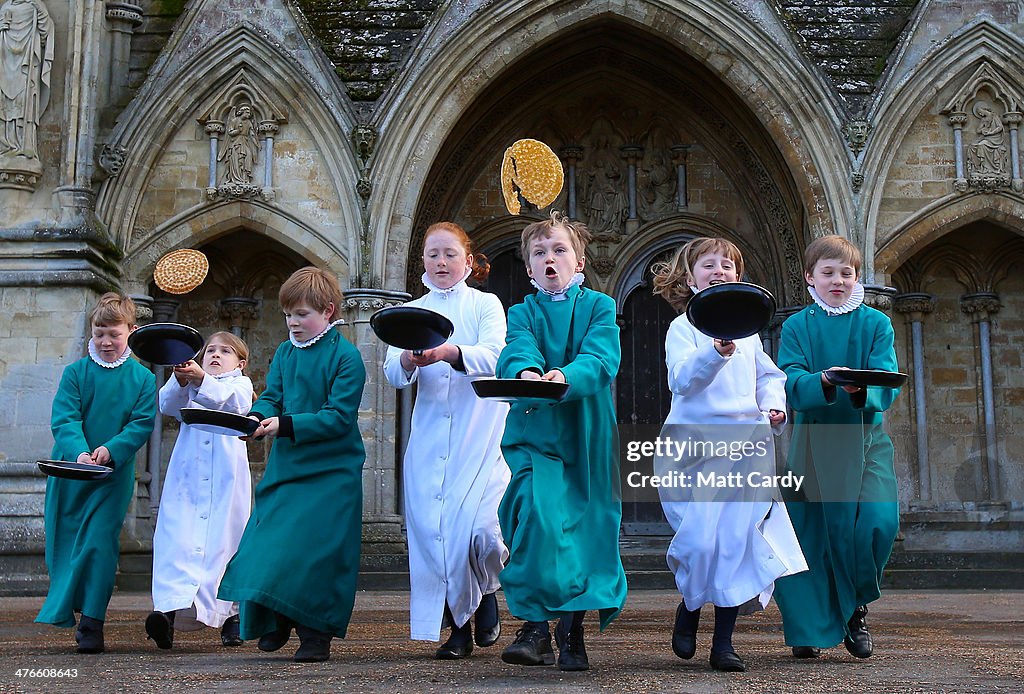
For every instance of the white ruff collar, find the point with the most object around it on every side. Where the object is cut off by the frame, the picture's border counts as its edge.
(559, 295)
(228, 374)
(95, 356)
(855, 300)
(312, 341)
(445, 292)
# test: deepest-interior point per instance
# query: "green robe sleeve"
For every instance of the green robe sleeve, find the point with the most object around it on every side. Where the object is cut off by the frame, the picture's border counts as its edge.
(66, 417)
(339, 413)
(882, 355)
(521, 350)
(123, 446)
(269, 403)
(597, 362)
(804, 389)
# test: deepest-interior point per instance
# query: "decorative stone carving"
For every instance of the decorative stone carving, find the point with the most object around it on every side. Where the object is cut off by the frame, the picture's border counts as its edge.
(879, 296)
(26, 60)
(980, 305)
(247, 120)
(241, 148)
(364, 140)
(914, 303)
(985, 105)
(111, 159)
(856, 133)
(126, 12)
(856, 181)
(604, 197)
(239, 311)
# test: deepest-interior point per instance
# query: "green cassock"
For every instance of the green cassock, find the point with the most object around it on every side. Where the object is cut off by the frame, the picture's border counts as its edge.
(561, 513)
(846, 515)
(94, 406)
(299, 553)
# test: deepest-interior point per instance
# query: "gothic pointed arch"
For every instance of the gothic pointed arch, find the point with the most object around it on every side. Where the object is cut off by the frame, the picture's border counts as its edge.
(165, 125)
(786, 96)
(203, 225)
(981, 54)
(941, 218)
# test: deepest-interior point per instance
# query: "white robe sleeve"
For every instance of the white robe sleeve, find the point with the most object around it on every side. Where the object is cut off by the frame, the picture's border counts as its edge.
(395, 372)
(232, 394)
(771, 386)
(691, 366)
(173, 396)
(480, 359)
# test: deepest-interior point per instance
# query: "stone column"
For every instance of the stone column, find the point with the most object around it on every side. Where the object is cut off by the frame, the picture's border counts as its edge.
(213, 128)
(382, 523)
(879, 296)
(679, 155)
(957, 120)
(164, 311)
(914, 306)
(571, 154)
(632, 154)
(980, 306)
(122, 18)
(1012, 120)
(268, 129)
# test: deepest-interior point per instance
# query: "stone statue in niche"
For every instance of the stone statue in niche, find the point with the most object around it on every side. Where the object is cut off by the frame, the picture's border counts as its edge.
(241, 146)
(656, 181)
(605, 193)
(26, 58)
(987, 156)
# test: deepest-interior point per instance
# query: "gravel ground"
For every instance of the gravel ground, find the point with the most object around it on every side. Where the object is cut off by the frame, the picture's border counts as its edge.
(925, 641)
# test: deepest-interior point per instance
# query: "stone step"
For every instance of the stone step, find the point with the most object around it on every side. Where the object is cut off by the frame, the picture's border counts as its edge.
(646, 570)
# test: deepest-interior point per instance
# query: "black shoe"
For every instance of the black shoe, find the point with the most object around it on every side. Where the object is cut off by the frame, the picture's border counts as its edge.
(684, 641)
(572, 652)
(488, 624)
(459, 644)
(229, 635)
(273, 640)
(160, 628)
(806, 652)
(531, 647)
(858, 641)
(314, 646)
(89, 635)
(727, 661)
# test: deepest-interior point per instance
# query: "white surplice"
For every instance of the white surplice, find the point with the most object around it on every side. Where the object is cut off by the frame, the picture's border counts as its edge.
(454, 475)
(730, 552)
(205, 503)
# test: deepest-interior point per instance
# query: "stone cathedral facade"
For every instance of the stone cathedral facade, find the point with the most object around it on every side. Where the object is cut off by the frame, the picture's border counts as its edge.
(274, 134)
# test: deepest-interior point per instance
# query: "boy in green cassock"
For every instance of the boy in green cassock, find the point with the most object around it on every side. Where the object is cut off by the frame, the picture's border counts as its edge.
(560, 514)
(846, 516)
(103, 413)
(298, 558)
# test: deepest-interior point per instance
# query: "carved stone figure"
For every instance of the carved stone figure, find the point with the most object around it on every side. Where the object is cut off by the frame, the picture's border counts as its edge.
(987, 156)
(241, 146)
(26, 58)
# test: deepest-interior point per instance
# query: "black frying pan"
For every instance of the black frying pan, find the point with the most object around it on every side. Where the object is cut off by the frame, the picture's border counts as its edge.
(731, 310)
(866, 377)
(72, 470)
(517, 389)
(217, 422)
(165, 343)
(411, 327)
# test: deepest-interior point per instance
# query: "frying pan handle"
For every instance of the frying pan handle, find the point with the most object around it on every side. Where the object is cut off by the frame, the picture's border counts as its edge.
(417, 352)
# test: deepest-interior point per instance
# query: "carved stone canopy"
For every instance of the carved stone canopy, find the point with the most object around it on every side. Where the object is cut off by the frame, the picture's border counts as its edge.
(914, 302)
(980, 305)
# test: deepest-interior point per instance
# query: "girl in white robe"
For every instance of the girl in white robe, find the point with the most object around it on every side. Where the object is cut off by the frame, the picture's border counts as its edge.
(206, 498)
(732, 541)
(454, 475)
